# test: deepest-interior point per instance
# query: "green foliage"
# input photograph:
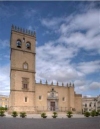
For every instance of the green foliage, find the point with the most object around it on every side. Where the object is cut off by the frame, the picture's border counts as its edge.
(23, 114)
(6, 108)
(97, 113)
(87, 114)
(2, 113)
(3, 108)
(54, 114)
(93, 113)
(43, 115)
(14, 114)
(69, 114)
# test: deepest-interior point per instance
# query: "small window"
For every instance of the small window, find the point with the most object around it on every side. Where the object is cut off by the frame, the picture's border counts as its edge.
(85, 105)
(28, 45)
(90, 105)
(52, 89)
(40, 97)
(18, 43)
(25, 86)
(63, 99)
(25, 99)
(25, 65)
(25, 83)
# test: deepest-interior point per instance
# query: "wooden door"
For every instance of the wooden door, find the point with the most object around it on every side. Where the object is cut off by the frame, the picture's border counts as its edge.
(52, 106)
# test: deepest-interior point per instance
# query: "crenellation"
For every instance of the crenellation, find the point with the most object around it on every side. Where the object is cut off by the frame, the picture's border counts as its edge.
(46, 82)
(57, 84)
(28, 32)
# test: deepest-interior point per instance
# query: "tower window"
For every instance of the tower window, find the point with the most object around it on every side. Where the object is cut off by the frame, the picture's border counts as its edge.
(25, 65)
(25, 82)
(18, 43)
(25, 86)
(25, 99)
(40, 97)
(28, 45)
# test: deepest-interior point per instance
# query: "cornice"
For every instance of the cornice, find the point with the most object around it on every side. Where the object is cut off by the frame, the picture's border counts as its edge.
(23, 70)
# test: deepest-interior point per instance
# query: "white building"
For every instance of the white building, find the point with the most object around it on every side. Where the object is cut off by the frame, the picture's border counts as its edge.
(4, 100)
(89, 103)
(98, 102)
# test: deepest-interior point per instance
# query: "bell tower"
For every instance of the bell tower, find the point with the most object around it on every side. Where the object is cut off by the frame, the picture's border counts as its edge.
(22, 70)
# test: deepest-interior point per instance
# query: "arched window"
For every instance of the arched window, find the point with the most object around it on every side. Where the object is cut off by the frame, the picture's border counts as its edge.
(25, 65)
(18, 43)
(28, 45)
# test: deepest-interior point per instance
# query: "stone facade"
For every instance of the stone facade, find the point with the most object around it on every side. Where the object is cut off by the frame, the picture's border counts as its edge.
(4, 100)
(25, 93)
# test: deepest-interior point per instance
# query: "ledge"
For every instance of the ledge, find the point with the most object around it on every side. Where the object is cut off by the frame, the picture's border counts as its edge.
(23, 50)
(23, 70)
(22, 90)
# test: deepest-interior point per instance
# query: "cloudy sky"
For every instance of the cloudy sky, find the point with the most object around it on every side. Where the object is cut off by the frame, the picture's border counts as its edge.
(67, 46)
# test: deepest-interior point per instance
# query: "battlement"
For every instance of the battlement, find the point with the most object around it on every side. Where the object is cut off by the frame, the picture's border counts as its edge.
(57, 84)
(23, 31)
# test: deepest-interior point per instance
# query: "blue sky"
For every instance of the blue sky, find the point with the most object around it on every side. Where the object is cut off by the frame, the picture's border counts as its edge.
(67, 46)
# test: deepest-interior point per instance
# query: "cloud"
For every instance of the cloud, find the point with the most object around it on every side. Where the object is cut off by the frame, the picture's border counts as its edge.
(4, 43)
(6, 11)
(52, 23)
(30, 13)
(54, 63)
(80, 30)
(54, 60)
(79, 82)
(4, 79)
(95, 86)
(89, 67)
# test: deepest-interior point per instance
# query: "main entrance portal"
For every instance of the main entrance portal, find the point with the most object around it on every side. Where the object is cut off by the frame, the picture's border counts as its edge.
(52, 106)
(52, 100)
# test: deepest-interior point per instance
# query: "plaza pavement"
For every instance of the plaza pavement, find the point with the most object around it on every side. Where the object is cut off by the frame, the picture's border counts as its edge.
(40, 123)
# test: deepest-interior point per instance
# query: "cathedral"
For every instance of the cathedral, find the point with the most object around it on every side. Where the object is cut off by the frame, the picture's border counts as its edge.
(27, 95)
